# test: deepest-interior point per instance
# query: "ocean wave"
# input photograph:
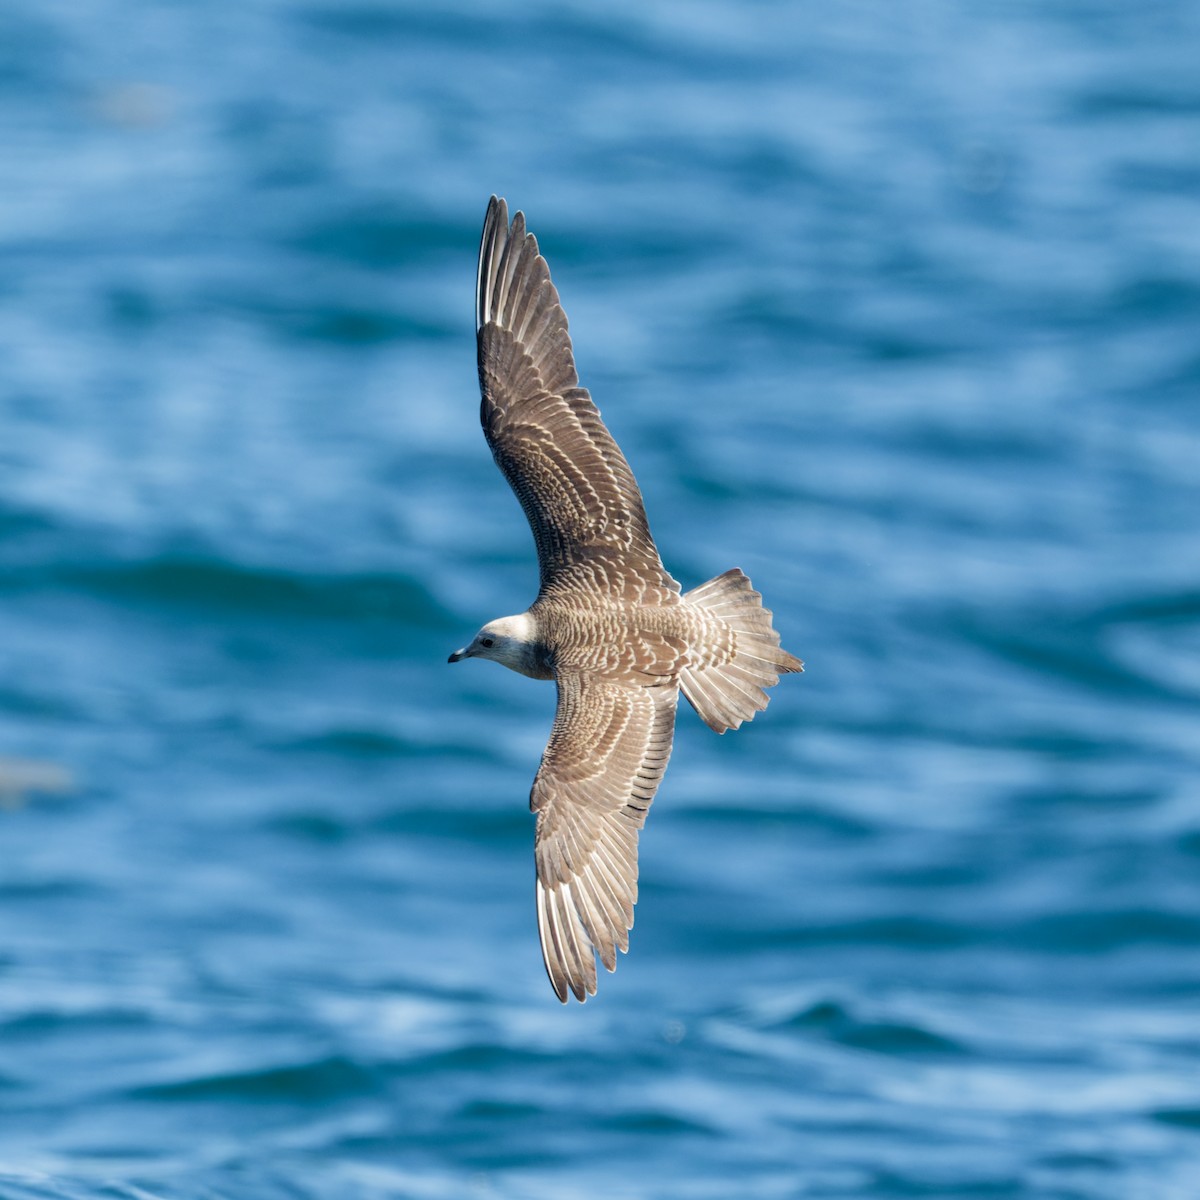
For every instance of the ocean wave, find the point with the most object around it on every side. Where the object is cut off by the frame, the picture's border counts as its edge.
(857, 1025)
(383, 236)
(61, 1187)
(1104, 930)
(1074, 646)
(322, 1079)
(216, 585)
(1179, 1118)
(365, 744)
(323, 827)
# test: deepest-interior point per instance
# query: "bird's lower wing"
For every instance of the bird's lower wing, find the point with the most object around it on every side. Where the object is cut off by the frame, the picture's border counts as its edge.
(607, 753)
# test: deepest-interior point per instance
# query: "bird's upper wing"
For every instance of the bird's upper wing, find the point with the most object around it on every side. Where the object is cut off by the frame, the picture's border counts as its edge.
(545, 433)
(606, 755)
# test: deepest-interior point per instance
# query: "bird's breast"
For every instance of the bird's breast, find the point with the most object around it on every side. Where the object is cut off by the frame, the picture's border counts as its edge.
(636, 643)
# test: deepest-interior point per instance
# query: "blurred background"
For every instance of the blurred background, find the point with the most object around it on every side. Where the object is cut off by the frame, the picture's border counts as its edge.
(895, 307)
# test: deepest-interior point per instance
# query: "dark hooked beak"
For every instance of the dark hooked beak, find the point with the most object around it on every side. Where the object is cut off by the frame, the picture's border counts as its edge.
(457, 655)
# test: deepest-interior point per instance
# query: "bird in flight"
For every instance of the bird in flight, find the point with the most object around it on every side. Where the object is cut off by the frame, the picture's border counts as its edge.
(609, 625)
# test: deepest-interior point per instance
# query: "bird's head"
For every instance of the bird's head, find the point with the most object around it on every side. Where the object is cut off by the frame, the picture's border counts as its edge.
(510, 641)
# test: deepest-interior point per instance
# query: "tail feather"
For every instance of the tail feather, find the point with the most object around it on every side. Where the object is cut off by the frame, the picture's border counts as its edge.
(730, 687)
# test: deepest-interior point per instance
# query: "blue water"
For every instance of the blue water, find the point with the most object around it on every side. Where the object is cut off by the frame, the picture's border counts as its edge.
(897, 307)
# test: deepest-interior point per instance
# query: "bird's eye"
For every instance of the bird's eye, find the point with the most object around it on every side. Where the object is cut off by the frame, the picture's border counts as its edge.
(487, 643)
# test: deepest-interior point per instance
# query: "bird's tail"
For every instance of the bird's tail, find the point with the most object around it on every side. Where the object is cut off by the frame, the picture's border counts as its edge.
(727, 693)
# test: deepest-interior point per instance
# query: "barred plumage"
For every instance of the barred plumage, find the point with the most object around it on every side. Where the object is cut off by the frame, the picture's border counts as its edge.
(609, 623)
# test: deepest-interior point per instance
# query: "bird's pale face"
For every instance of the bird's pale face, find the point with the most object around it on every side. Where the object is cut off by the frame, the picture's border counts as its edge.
(507, 640)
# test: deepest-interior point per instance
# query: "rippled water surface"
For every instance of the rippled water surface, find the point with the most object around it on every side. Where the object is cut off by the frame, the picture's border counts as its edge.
(895, 307)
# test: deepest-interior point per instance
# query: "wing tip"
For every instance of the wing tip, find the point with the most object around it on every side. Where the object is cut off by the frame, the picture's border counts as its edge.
(503, 243)
(567, 953)
(494, 220)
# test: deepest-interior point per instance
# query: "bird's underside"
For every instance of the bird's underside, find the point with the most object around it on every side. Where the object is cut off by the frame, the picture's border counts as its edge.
(610, 625)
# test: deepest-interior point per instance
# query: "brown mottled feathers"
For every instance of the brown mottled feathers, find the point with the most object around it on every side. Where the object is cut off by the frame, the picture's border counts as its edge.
(545, 433)
(609, 623)
(607, 753)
